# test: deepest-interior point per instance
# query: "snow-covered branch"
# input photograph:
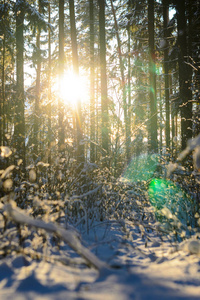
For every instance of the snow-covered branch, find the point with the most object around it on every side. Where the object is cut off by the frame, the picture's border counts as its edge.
(68, 236)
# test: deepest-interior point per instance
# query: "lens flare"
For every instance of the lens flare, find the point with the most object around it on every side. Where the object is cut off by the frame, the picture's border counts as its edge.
(141, 168)
(164, 194)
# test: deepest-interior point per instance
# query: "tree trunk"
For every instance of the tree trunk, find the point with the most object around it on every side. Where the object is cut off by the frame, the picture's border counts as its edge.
(2, 105)
(104, 97)
(152, 79)
(37, 93)
(166, 70)
(194, 38)
(49, 89)
(19, 131)
(129, 86)
(80, 146)
(127, 131)
(61, 133)
(184, 76)
(92, 95)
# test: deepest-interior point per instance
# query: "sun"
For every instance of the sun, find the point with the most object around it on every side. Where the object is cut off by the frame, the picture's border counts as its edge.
(73, 88)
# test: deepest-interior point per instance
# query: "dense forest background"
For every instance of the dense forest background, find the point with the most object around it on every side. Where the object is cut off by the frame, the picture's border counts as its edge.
(138, 61)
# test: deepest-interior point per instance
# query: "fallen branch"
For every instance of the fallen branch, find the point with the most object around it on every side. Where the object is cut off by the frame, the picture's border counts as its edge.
(70, 237)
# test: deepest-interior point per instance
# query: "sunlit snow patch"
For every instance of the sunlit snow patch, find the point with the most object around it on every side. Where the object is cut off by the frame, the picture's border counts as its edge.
(5, 151)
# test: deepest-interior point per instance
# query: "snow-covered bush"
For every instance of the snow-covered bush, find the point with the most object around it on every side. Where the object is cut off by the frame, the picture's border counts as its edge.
(176, 198)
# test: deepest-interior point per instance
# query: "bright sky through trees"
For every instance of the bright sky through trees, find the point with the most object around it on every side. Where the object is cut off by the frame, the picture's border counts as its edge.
(72, 88)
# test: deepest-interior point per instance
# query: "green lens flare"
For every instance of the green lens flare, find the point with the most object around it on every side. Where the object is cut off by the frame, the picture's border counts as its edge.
(164, 193)
(141, 168)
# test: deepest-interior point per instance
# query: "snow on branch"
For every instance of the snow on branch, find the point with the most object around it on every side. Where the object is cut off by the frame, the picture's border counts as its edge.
(192, 145)
(94, 191)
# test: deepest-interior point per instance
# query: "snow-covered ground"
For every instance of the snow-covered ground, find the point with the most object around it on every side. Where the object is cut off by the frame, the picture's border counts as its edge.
(143, 264)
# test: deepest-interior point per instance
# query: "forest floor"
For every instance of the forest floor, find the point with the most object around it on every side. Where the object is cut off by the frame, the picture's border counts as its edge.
(143, 264)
